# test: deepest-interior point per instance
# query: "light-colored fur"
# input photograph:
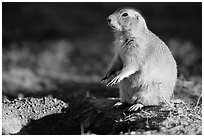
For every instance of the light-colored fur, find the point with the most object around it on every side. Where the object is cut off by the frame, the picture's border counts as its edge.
(144, 66)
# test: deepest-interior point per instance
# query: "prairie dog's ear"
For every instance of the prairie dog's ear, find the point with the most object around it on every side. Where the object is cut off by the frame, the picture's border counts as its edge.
(137, 17)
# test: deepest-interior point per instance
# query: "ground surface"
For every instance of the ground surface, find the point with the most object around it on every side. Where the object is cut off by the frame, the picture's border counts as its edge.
(92, 116)
(85, 114)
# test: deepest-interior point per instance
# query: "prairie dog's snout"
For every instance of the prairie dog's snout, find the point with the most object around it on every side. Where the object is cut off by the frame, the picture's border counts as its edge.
(109, 19)
(113, 22)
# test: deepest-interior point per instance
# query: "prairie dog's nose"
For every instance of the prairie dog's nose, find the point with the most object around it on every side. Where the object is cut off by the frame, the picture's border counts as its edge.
(108, 19)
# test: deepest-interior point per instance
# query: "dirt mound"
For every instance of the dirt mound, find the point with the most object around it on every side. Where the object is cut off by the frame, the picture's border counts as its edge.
(96, 116)
(18, 113)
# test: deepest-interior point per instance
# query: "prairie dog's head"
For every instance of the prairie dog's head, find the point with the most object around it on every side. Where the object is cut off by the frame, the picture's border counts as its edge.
(127, 20)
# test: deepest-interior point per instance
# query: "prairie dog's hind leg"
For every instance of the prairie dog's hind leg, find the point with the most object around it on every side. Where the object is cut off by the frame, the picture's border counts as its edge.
(124, 100)
(125, 94)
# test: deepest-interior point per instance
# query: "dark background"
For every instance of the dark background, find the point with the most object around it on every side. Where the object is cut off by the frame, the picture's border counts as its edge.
(42, 21)
(49, 43)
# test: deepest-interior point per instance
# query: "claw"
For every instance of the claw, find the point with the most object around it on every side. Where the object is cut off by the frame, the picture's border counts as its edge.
(104, 78)
(135, 107)
(114, 81)
(109, 83)
(117, 105)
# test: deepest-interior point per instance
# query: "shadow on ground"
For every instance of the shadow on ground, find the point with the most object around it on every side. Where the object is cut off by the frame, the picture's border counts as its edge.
(95, 116)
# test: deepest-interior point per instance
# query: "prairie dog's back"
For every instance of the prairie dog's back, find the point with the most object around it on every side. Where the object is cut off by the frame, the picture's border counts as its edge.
(160, 59)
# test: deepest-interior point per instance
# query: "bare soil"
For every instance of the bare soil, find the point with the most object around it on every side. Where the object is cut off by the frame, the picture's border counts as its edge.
(89, 115)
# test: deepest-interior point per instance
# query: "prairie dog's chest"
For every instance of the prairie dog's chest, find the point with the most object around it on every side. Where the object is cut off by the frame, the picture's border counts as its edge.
(128, 51)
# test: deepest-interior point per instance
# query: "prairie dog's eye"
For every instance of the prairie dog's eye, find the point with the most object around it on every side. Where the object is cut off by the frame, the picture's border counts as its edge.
(124, 14)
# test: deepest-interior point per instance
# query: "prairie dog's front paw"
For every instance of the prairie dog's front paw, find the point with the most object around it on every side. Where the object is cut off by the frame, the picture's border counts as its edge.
(107, 76)
(104, 78)
(115, 80)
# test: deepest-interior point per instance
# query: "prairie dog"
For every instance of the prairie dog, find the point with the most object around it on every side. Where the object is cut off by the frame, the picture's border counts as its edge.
(143, 66)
